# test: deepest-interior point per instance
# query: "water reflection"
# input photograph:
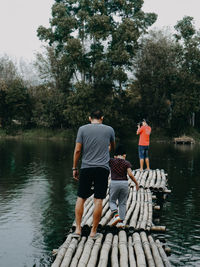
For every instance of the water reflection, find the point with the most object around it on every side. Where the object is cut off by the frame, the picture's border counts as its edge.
(37, 196)
(34, 182)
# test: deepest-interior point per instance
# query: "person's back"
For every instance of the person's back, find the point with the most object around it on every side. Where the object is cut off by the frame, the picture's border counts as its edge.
(95, 138)
(118, 168)
(119, 185)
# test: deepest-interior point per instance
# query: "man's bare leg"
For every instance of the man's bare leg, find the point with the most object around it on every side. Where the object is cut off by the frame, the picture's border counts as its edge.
(79, 213)
(141, 164)
(147, 163)
(96, 215)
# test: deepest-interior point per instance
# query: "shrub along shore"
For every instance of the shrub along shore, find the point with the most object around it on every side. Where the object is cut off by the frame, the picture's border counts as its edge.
(69, 134)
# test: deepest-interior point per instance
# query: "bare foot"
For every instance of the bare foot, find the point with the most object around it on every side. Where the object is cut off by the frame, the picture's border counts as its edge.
(78, 231)
(92, 234)
(96, 236)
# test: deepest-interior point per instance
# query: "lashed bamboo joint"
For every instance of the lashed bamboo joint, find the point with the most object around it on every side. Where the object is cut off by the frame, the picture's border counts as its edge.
(132, 246)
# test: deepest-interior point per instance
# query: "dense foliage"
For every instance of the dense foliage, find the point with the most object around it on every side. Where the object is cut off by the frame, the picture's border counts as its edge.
(95, 43)
(100, 55)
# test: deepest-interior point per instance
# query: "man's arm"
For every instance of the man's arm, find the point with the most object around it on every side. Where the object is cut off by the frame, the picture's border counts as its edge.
(112, 146)
(139, 129)
(130, 174)
(77, 153)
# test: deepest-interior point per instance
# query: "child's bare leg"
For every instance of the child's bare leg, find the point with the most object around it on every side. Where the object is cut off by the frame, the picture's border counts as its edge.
(141, 164)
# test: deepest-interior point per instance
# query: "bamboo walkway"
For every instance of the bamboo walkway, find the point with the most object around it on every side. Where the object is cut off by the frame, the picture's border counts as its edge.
(132, 246)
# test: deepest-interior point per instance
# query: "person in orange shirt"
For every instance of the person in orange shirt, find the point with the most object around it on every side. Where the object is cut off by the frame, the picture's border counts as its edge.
(144, 131)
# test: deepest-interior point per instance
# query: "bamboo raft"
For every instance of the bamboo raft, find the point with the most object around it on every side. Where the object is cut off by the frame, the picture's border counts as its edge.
(132, 246)
(184, 140)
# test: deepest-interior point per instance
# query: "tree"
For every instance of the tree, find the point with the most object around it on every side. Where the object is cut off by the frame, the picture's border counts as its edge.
(48, 107)
(53, 70)
(18, 104)
(8, 70)
(96, 41)
(187, 98)
(14, 98)
(156, 68)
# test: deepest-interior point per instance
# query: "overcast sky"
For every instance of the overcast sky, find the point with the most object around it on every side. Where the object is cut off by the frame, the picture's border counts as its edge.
(19, 20)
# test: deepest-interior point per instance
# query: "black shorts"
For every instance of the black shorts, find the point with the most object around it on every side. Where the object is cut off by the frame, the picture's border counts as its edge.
(96, 177)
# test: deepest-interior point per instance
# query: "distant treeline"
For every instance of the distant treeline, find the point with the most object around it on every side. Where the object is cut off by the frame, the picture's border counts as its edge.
(99, 54)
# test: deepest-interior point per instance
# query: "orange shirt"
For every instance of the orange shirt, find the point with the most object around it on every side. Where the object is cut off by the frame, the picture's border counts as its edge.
(144, 133)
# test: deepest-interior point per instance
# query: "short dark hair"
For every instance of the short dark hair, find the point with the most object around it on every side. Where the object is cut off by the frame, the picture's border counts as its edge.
(146, 120)
(96, 114)
(120, 150)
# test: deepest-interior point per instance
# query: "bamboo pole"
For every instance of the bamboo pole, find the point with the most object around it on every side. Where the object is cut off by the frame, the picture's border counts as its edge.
(140, 257)
(86, 253)
(158, 180)
(123, 249)
(141, 209)
(140, 178)
(106, 218)
(155, 252)
(89, 221)
(78, 252)
(158, 228)
(88, 200)
(145, 214)
(150, 210)
(133, 220)
(152, 183)
(114, 253)
(61, 252)
(87, 216)
(168, 191)
(69, 253)
(105, 251)
(106, 199)
(132, 261)
(132, 206)
(149, 179)
(105, 209)
(143, 179)
(156, 207)
(167, 250)
(95, 251)
(163, 254)
(163, 181)
(147, 249)
(87, 206)
(88, 210)
(130, 194)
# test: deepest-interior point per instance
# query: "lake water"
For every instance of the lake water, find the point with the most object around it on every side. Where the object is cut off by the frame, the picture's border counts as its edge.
(38, 194)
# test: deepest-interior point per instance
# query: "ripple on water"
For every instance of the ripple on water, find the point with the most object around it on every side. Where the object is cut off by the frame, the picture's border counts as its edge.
(196, 248)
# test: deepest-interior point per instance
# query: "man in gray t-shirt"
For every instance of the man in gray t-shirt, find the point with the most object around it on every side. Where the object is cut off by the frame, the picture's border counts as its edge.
(93, 140)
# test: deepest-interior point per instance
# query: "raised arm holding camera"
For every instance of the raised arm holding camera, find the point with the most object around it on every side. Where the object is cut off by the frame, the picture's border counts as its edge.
(144, 130)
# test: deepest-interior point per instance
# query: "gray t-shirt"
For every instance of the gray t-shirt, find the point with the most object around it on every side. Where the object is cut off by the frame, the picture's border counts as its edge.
(95, 139)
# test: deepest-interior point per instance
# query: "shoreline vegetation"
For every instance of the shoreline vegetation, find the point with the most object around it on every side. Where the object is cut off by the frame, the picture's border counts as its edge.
(125, 78)
(38, 133)
(69, 134)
